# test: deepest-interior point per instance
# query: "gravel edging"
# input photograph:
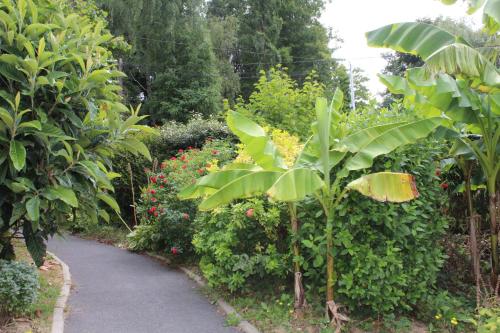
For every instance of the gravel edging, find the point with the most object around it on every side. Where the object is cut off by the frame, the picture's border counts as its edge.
(58, 316)
(243, 325)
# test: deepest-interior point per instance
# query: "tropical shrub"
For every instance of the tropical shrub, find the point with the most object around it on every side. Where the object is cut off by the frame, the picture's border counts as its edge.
(387, 255)
(166, 222)
(276, 91)
(242, 243)
(61, 120)
(18, 287)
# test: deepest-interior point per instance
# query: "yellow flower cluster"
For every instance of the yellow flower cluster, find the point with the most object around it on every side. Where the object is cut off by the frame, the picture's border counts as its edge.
(287, 144)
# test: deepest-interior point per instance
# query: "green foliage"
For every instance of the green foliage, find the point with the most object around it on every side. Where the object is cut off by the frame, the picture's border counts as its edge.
(278, 32)
(276, 91)
(171, 137)
(175, 136)
(171, 66)
(387, 255)
(241, 243)
(167, 223)
(18, 287)
(61, 120)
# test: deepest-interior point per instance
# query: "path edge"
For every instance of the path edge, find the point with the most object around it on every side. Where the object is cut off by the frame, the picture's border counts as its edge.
(58, 315)
(243, 325)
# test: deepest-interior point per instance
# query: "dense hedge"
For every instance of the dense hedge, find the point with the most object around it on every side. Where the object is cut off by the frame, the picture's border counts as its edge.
(387, 255)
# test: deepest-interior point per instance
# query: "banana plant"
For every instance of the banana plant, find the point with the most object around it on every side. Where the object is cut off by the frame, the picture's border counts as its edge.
(459, 83)
(325, 161)
(252, 179)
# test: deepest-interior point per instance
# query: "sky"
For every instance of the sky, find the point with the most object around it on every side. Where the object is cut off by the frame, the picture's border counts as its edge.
(352, 18)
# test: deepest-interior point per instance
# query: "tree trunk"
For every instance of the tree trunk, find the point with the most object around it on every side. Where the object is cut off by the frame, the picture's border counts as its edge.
(299, 299)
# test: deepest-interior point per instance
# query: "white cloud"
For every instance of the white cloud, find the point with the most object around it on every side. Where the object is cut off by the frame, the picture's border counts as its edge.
(352, 18)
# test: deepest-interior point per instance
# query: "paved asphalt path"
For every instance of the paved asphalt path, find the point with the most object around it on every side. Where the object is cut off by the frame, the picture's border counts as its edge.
(116, 291)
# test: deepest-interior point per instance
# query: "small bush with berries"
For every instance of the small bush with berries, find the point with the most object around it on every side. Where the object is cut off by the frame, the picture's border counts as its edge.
(165, 222)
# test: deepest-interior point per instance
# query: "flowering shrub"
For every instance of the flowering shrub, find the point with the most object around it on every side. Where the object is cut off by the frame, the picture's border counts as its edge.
(241, 242)
(166, 223)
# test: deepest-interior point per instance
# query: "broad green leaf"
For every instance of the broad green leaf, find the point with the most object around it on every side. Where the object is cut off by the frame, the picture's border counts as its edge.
(31, 124)
(134, 145)
(34, 243)
(392, 139)
(62, 193)
(33, 209)
(323, 126)
(386, 186)
(416, 38)
(491, 16)
(6, 117)
(109, 200)
(358, 140)
(211, 181)
(295, 185)
(460, 59)
(17, 154)
(240, 188)
(257, 144)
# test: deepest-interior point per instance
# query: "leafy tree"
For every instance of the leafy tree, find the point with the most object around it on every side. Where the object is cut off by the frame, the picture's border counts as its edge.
(60, 120)
(275, 92)
(171, 65)
(273, 32)
(461, 83)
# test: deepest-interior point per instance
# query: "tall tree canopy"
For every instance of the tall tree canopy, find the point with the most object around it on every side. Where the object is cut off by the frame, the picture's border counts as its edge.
(275, 32)
(171, 66)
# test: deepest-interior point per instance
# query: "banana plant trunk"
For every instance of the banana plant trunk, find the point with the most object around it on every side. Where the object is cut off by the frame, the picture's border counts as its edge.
(494, 234)
(329, 262)
(473, 218)
(299, 299)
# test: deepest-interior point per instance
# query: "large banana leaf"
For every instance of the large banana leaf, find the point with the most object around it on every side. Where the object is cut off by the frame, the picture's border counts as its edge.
(440, 50)
(358, 140)
(386, 186)
(257, 144)
(243, 187)
(295, 185)
(460, 59)
(392, 139)
(212, 181)
(491, 13)
(416, 38)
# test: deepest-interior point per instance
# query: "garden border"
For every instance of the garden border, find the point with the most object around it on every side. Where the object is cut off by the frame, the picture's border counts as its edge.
(58, 315)
(243, 325)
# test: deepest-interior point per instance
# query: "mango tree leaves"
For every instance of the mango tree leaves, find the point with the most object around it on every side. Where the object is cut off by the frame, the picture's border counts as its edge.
(35, 243)
(61, 193)
(17, 154)
(33, 209)
(386, 186)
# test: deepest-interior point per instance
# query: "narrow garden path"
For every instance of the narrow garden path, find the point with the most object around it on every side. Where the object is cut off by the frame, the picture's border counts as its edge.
(118, 291)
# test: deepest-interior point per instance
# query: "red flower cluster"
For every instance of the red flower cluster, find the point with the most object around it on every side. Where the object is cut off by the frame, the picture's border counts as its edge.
(444, 186)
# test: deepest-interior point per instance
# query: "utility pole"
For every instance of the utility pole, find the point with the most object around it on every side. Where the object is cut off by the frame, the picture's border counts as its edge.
(351, 86)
